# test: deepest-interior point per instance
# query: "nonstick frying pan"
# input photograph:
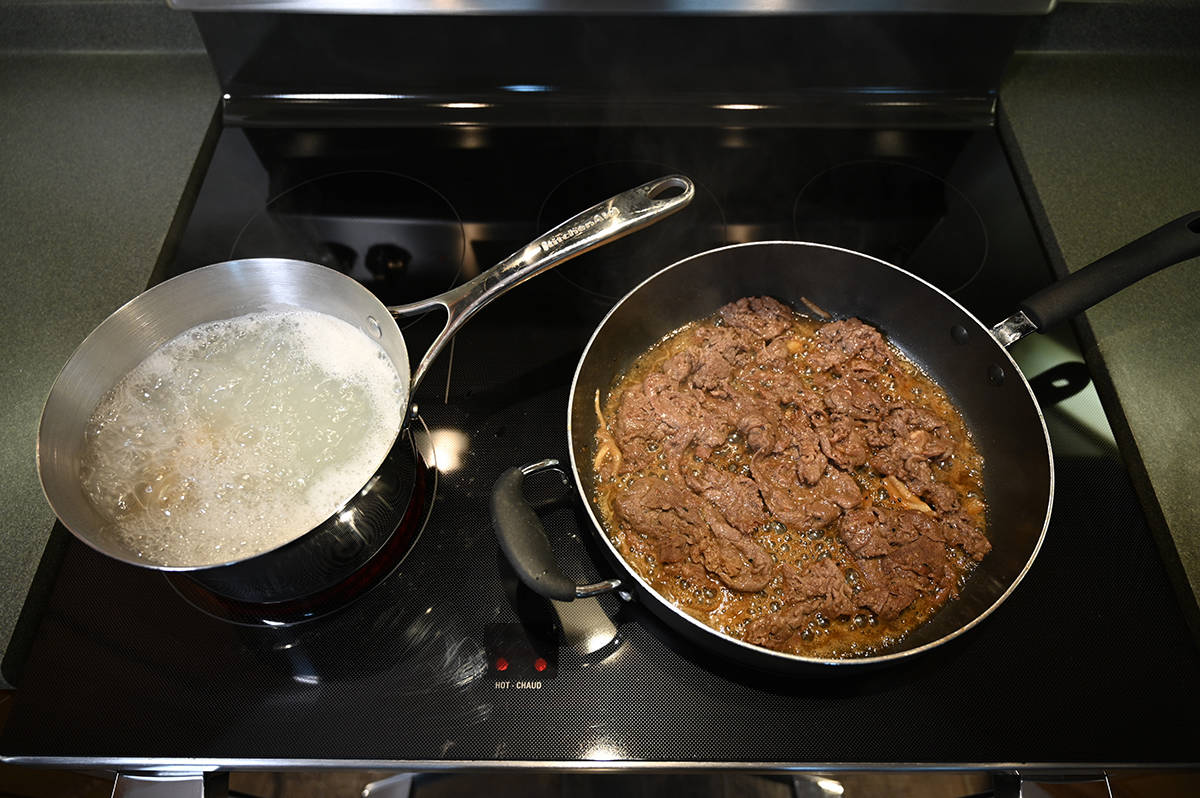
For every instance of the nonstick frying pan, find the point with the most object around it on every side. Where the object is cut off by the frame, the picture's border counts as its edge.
(963, 354)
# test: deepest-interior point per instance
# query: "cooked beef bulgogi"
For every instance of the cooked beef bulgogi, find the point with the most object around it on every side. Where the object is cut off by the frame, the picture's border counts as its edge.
(795, 483)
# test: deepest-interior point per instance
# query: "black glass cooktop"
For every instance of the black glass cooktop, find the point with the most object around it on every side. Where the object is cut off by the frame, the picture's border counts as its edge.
(448, 661)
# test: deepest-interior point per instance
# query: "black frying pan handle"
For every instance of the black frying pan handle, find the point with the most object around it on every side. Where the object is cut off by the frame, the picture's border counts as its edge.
(524, 540)
(1173, 242)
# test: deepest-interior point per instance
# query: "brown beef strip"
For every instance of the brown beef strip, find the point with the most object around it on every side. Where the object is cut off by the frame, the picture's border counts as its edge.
(768, 427)
(736, 495)
(672, 549)
(855, 399)
(660, 410)
(902, 554)
(796, 438)
(673, 520)
(734, 558)
(839, 343)
(924, 556)
(758, 430)
(917, 475)
(683, 417)
(754, 417)
(779, 387)
(776, 355)
(819, 588)
(908, 439)
(677, 409)
(637, 427)
(719, 350)
(842, 442)
(862, 534)
(841, 489)
(959, 531)
(763, 316)
(932, 446)
(679, 366)
(797, 505)
(775, 629)
(941, 496)
(913, 431)
(811, 461)
(823, 585)
(659, 513)
(874, 531)
(888, 602)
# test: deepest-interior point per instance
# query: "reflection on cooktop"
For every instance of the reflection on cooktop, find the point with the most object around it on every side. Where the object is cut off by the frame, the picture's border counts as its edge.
(899, 213)
(394, 233)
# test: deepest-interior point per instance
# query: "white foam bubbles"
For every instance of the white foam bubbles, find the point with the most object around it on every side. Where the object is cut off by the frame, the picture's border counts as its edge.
(240, 435)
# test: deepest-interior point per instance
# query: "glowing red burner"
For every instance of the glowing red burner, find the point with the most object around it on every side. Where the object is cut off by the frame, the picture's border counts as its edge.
(501, 664)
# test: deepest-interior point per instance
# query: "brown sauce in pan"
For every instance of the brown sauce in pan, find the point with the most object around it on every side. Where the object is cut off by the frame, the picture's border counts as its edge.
(794, 483)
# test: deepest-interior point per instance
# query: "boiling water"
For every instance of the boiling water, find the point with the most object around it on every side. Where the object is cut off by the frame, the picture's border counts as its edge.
(239, 435)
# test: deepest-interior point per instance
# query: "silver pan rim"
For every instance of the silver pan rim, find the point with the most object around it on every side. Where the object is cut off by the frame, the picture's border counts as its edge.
(385, 317)
(748, 650)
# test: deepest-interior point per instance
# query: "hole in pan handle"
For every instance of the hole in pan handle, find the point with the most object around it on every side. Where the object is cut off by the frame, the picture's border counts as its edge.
(1165, 246)
(523, 539)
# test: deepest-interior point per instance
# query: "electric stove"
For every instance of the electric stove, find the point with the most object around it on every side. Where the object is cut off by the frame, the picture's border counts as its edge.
(446, 660)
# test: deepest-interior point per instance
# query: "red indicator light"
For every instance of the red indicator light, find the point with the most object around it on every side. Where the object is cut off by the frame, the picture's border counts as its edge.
(501, 664)
(539, 664)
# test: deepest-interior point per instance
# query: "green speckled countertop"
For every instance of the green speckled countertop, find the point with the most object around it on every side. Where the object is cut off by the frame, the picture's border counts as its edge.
(95, 151)
(1108, 148)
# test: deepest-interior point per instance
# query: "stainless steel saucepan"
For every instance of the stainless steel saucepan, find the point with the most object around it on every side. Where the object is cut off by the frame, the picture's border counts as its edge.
(230, 289)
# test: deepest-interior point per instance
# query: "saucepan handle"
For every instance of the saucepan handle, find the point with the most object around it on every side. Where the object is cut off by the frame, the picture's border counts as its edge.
(603, 223)
(1165, 246)
(523, 539)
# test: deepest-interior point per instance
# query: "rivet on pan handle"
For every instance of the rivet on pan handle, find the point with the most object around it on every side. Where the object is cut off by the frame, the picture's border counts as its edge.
(524, 541)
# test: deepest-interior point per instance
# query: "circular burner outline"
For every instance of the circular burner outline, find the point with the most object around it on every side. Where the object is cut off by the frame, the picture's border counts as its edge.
(462, 231)
(668, 170)
(297, 611)
(966, 200)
